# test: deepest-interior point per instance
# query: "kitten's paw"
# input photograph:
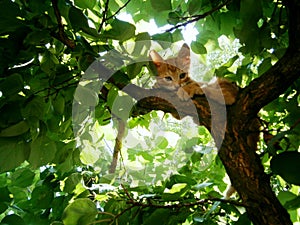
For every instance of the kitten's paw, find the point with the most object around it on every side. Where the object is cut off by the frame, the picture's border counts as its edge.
(186, 93)
(197, 91)
(183, 95)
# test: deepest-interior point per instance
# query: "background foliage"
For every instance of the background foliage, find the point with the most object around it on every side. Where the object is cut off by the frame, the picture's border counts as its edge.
(49, 176)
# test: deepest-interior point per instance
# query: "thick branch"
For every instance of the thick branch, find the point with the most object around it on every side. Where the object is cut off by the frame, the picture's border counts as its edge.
(278, 78)
(61, 35)
(238, 150)
(104, 14)
(271, 84)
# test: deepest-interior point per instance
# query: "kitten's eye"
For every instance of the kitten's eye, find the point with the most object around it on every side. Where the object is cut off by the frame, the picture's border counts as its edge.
(182, 75)
(168, 78)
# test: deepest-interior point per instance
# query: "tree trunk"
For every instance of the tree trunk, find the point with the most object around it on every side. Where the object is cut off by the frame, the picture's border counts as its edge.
(247, 175)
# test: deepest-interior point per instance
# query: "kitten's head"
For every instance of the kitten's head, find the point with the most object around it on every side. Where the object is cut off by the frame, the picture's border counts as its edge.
(172, 73)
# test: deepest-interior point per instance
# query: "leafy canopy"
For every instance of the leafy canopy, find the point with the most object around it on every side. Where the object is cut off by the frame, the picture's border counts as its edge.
(57, 131)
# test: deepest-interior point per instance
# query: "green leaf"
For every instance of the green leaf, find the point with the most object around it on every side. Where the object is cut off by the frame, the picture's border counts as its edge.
(9, 11)
(19, 194)
(230, 62)
(12, 154)
(285, 196)
(287, 165)
(42, 152)
(174, 18)
(15, 130)
(249, 36)
(12, 84)
(177, 36)
(38, 7)
(165, 37)
(122, 106)
(77, 18)
(159, 5)
(142, 43)
(41, 197)
(175, 179)
(37, 37)
(120, 30)
(222, 71)
(198, 48)
(85, 4)
(161, 215)
(80, 212)
(243, 220)
(3, 207)
(251, 11)
(194, 6)
(22, 178)
(89, 155)
(177, 188)
(161, 142)
(72, 181)
(13, 220)
(228, 20)
(202, 185)
(5, 195)
(86, 96)
(134, 69)
(147, 156)
(35, 108)
(293, 204)
(59, 104)
(112, 95)
(264, 66)
(49, 62)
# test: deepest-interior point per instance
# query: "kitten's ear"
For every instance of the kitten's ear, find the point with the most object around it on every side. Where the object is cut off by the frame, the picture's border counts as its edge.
(156, 58)
(184, 52)
(184, 56)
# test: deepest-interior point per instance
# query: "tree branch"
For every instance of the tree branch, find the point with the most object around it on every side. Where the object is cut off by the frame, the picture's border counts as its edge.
(271, 84)
(279, 77)
(199, 17)
(118, 145)
(184, 205)
(122, 7)
(61, 35)
(238, 154)
(104, 16)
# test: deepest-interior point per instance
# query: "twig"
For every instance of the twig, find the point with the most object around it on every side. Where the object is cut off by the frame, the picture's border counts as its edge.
(127, 193)
(182, 205)
(61, 35)
(198, 17)
(125, 210)
(295, 124)
(104, 16)
(112, 16)
(118, 145)
(101, 221)
(58, 84)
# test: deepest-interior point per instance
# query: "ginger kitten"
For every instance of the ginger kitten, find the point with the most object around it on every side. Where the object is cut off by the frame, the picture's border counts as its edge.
(173, 74)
